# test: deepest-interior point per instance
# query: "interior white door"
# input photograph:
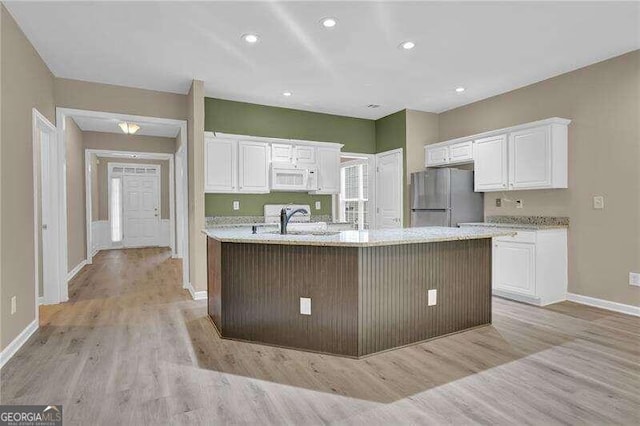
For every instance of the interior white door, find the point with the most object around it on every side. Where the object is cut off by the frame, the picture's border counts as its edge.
(141, 210)
(48, 219)
(389, 189)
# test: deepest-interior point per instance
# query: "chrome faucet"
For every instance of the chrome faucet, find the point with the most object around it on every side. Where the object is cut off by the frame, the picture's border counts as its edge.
(285, 217)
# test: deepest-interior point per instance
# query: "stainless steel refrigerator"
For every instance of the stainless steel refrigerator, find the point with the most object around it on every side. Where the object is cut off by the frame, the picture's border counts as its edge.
(444, 197)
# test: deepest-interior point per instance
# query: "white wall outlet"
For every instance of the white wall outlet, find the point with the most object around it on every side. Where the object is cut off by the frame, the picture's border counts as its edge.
(634, 278)
(432, 297)
(14, 307)
(305, 305)
(236, 205)
(519, 204)
(318, 205)
(498, 202)
(598, 202)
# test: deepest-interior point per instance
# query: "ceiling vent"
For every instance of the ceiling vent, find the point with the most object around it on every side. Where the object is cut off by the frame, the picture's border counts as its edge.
(373, 106)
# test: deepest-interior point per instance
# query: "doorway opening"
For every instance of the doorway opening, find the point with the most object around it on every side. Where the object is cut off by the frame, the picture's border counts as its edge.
(355, 203)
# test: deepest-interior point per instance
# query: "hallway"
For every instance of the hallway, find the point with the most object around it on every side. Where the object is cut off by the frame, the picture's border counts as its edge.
(131, 347)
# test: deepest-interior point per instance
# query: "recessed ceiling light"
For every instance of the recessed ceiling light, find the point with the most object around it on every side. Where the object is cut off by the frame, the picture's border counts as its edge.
(407, 45)
(250, 38)
(287, 93)
(129, 128)
(328, 22)
(459, 89)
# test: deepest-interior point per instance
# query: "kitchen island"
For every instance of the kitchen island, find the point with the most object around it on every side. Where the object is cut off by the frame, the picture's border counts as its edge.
(368, 289)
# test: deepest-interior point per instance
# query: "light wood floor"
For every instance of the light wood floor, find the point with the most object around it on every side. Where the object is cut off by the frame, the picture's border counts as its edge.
(130, 347)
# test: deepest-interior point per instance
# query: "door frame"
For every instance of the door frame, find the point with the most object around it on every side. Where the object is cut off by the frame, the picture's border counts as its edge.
(401, 180)
(335, 199)
(180, 183)
(58, 293)
(158, 166)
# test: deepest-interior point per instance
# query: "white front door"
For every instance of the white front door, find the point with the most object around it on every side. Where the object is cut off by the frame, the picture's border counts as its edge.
(389, 189)
(141, 210)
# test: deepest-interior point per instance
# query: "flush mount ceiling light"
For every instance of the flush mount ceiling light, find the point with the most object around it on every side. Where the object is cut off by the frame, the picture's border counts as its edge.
(459, 89)
(129, 128)
(250, 38)
(287, 94)
(407, 45)
(328, 22)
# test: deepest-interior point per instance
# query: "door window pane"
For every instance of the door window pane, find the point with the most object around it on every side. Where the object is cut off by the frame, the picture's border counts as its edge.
(354, 194)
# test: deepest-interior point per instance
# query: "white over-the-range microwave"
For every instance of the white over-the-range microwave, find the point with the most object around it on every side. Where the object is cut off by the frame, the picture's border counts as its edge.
(293, 177)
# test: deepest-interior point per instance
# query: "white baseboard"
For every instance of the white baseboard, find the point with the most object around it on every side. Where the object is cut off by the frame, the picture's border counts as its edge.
(604, 304)
(72, 273)
(17, 343)
(196, 295)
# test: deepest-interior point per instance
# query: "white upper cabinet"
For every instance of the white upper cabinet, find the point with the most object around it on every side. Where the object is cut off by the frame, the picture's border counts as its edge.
(253, 172)
(328, 163)
(436, 155)
(304, 155)
(490, 166)
(221, 160)
(461, 152)
(281, 153)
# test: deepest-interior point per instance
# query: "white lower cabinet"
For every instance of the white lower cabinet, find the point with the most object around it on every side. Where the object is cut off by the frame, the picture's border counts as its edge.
(531, 266)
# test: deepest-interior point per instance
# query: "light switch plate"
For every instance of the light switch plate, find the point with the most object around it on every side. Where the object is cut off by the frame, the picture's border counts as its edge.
(305, 305)
(498, 202)
(236, 205)
(519, 204)
(13, 305)
(432, 297)
(318, 205)
(634, 278)
(598, 202)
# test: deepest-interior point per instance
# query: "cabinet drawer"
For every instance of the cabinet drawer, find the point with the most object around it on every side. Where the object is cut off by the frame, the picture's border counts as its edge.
(520, 237)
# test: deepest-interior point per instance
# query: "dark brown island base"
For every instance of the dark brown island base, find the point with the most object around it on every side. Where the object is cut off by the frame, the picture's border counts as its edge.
(368, 289)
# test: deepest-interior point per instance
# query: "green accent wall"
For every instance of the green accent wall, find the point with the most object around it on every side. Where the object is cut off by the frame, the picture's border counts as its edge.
(391, 133)
(357, 135)
(253, 204)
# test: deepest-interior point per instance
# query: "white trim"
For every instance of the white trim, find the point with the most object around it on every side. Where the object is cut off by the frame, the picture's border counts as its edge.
(604, 304)
(17, 343)
(180, 232)
(196, 295)
(72, 273)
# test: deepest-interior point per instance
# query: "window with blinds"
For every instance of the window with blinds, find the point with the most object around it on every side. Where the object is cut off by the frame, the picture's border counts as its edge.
(354, 194)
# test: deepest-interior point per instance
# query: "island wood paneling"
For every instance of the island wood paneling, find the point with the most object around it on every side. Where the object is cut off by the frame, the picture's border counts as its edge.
(394, 284)
(214, 281)
(262, 286)
(364, 300)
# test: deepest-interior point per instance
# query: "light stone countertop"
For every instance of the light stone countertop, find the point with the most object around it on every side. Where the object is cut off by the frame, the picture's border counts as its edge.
(517, 226)
(381, 237)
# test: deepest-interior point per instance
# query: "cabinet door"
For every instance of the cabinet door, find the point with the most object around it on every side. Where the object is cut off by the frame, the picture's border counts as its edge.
(281, 153)
(436, 155)
(305, 155)
(514, 267)
(530, 158)
(220, 165)
(490, 163)
(253, 167)
(328, 162)
(461, 152)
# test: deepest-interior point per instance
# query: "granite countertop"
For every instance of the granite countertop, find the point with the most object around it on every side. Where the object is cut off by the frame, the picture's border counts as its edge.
(268, 225)
(381, 237)
(520, 226)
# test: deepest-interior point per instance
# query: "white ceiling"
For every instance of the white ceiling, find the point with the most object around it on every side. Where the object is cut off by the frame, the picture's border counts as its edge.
(109, 125)
(489, 48)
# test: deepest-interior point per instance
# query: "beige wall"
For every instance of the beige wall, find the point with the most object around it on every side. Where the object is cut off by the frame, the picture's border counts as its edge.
(102, 175)
(76, 218)
(25, 83)
(124, 100)
(195, 144)
(422, 129)
(122, 142)
(604, 153)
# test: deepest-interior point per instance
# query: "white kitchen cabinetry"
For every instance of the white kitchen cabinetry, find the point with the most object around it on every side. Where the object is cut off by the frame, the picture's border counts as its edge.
(490, 165)
(281, 153)
(253, 171)
(328, 169)
(221, 165)
(461, 152)
(446, 153)
(304, 155)
(436, 155)
(531, 266)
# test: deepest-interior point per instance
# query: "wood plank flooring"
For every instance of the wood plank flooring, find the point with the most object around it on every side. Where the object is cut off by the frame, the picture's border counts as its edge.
(130, 347)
